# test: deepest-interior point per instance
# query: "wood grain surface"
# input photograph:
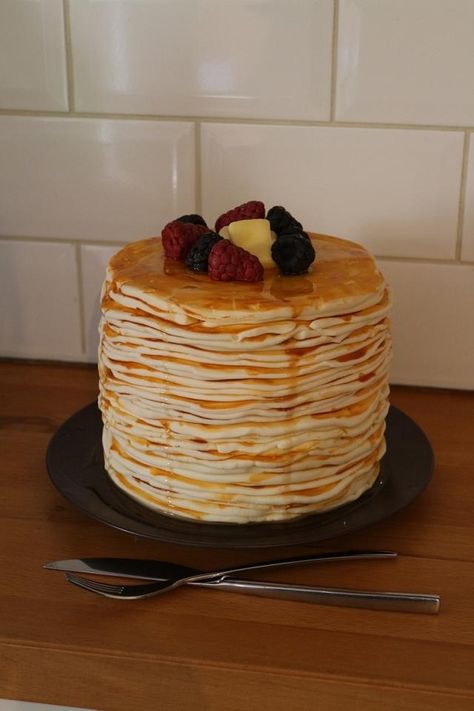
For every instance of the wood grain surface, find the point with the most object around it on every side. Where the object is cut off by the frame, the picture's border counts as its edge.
(202, 649)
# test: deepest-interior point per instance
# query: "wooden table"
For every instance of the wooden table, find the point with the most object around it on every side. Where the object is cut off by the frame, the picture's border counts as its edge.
(199, 649)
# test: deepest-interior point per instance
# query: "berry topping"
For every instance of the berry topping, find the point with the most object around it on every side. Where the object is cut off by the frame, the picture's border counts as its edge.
(227, 262)
(179, 237)
(248, 211)
(281, 221)
(193, 219)
(198, 255)
(293, 252)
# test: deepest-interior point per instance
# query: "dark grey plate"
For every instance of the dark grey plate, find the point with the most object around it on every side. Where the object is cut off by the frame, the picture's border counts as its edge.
(76, 467)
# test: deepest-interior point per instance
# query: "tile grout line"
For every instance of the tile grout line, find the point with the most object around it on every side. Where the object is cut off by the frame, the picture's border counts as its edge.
(197, 167)
(335, 45)
(80, 285)
(62, 240)
(103, 243)
(295, 123)
(423, 260)
(462, 195)
(69, 64)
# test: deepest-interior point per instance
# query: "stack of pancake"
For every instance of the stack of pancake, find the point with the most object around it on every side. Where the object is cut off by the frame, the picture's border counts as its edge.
(239, 402)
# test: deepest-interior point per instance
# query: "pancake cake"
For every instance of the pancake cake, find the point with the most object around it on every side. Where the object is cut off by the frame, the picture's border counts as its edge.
(244, 384)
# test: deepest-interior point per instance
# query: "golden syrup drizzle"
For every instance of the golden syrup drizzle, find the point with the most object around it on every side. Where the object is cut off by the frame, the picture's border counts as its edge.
(169, 472)
(342, 270)
(153, 501)
(292, 424)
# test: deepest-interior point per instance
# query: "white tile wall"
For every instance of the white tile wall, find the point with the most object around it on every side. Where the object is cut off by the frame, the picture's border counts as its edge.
(93, 178)
(94, 260)
(39, 298)
(433, 323)
(255, 58)
(396, 191)
(406, 61)
(468, 236)
(32, 55)
(362, 129)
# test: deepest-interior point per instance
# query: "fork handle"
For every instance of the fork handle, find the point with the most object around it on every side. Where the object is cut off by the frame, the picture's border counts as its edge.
(367, 599)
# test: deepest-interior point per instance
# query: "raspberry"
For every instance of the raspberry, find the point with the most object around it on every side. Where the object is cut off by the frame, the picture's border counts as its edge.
(179, 237)
(281, 221)
(198, 255)
(293, 252)
(227, 262)
(193, 219)
(248, 211)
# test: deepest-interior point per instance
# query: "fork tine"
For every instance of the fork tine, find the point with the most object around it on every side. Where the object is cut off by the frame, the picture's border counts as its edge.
(124, 592)
(106, 587)
(94, 585)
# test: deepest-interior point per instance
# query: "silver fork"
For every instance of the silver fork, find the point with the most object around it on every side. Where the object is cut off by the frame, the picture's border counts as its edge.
(367, 599)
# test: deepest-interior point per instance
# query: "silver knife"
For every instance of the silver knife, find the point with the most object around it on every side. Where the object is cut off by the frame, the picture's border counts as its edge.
(162, 570)
(150, 570)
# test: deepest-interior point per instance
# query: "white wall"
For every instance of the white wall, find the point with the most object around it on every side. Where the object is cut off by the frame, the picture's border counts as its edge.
(115, 116)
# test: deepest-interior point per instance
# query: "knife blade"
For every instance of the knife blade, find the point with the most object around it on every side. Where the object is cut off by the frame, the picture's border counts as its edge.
(124, 567)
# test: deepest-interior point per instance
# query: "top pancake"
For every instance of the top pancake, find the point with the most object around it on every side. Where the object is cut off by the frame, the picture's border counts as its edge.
(344, 278)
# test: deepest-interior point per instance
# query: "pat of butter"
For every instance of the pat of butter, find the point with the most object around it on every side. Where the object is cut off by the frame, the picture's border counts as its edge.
(224, 232)
(255, 236)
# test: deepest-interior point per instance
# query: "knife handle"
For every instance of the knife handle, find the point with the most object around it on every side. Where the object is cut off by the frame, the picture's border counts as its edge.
(343, 597)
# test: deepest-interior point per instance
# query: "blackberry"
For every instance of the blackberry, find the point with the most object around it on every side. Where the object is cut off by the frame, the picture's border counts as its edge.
(198, 256)
(194, 219)
(281, 221)
(293, 252)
